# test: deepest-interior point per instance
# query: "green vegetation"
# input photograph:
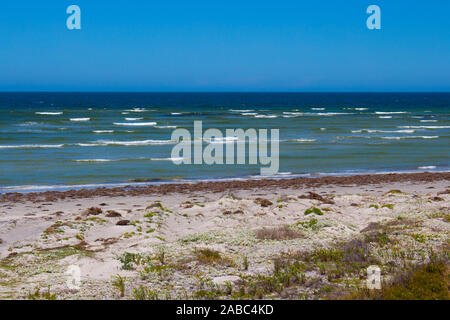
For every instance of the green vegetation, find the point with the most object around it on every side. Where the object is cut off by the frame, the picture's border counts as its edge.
(130, 260)
(211, 257)
(119, 283)
(143, 293)
(310, 224)
(429, 282)
(37, 294)
(314, 210)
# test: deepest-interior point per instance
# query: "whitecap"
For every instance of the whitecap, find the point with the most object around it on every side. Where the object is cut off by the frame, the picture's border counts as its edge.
(390, 112)
(266, 116)
(166, 127)
(428, 121)
(427, 167)
(80, 119)
(94, 160)
(137, 124)
(410, 137)
(383, 131)
(49, 113)
(167, 159)
(27, 146)
(136, 110)
(425, 127)
(304, 140)
(385, 117)
(134, 143)
(297, 140)
(319, 109)
(247, 110)
(288, 114)
(103, 131)
(133, 119)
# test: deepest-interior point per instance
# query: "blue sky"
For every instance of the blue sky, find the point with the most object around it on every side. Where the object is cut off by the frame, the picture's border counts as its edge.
(224, 46)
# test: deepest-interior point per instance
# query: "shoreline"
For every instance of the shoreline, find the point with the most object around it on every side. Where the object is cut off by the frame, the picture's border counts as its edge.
(224, 185)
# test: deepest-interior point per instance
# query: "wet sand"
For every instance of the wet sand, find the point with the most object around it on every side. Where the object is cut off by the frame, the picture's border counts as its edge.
(222, 186)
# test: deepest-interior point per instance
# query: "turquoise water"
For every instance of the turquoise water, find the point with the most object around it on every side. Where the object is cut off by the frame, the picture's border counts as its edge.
(57, 140)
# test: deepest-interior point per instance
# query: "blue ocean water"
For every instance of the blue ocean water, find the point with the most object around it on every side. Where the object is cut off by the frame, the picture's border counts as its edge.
(59, 140)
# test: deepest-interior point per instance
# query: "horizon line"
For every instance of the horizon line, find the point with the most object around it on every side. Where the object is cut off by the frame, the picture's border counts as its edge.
(181, 91)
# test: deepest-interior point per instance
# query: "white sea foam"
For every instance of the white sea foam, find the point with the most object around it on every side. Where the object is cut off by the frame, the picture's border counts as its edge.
(49, 113)
(383, 131)
(80, 119)
(390, 112)
(134, 143)
(288, 114)
(385, 117)
(295, 140)
(103, 131)
(29, 124)
(427, 167)
(94, 160)
(249, 113)
(331, 113)
(175, 113)
(326, 114)
(425, 127)
(137, 124)
(318, 109)
(387, 138)
(302, 140)
(136, 110)
(88, 144)
(410, 137)
(247, 110)
(428, 121)
(166, 127)
(270, 116)
(361, 109)
(167, 159)
(29, 146)
(133, 119)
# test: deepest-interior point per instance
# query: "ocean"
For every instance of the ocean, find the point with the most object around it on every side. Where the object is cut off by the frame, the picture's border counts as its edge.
(58, 141)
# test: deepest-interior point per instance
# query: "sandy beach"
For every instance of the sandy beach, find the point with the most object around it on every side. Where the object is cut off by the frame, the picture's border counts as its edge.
(296, 238)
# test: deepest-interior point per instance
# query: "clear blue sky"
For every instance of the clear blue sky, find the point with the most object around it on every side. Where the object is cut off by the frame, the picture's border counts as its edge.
(211, 45)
